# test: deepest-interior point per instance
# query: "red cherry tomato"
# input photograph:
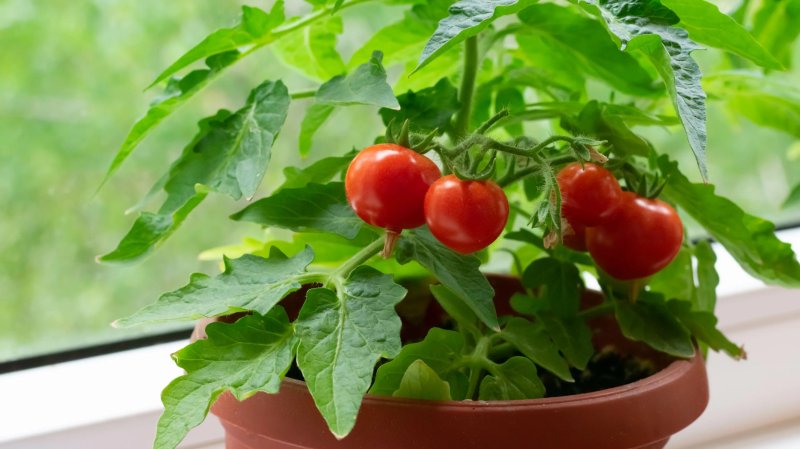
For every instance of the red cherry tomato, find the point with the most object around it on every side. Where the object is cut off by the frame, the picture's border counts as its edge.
(465, 215)
(589, 195)
(641, 239)
(386, 185)
(577, 238)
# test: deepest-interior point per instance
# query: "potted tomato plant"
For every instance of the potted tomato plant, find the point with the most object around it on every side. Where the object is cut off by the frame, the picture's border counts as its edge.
(508, 144)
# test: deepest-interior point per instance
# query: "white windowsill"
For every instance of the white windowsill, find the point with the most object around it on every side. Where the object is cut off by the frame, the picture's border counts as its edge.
(113, 400)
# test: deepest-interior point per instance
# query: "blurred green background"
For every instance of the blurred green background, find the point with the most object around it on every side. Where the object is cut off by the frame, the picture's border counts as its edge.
(71, 80)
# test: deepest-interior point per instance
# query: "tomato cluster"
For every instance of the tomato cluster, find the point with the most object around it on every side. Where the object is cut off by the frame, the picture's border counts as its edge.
(628, 236)
(396, 188)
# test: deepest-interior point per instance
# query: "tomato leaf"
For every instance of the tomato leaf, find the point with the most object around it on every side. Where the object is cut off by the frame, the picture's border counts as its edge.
(677, 279)
(315, 117)
(707, 278)
(649, 27)
(706, 24)
(533, 342)
(455, 307)
(366, 85)
(514, 379)
(177, 92)
(793, 198)
(402, 42)
(262, 357)
(439, 350)
(249, 283)
(776, 24)
(571, 336)
(322, 170)
(312, 50)
(460, 273)
(467, 18)
(703, 326)
(559, 284)
(422, 382)
(591, 50)
(315, 207)
(651, 322)
(600, 121)
(229, 155)
(255, 26)
(749, 239)
(342, 335)
(426, 110)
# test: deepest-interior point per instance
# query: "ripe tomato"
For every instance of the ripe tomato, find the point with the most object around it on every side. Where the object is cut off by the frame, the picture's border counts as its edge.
(577, 238)
(641, 238)
(386, 184)
(465, 215)
(589, 195)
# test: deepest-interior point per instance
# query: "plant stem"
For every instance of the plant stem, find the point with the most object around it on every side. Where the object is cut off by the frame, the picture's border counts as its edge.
(467, 87)
(303, 94)
(476, 365)
(358, 258)
(313, 17)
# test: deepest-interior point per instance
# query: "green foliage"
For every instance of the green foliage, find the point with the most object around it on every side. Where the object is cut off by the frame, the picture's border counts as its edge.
(595, 72)
(263, 355)
(457, 272)
(248, 283)
(314, 207)
(421, 382)
(648, 27)
(341, 336)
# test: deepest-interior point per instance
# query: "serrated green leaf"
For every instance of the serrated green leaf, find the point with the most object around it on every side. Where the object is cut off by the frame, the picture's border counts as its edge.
(312, 50)
(402, 42)
(366, 85)
(467, 18)
(589, 48)
(649, 27)
(254, 27)
(703, 325)
(429, 109)
(458, 272)
(559, 284)
(707, 25)
(776, 24)
(177, 92)
(445, 66)
(651, 322)
(455, 307)
(229, 155)
(314, 207)
(262, 357)
(422, 382)
(322, 170)
(514, 379)
(342, 335)
(249, 283)
(749, 239)
(439, 350)
(315, 117)
(534, 343)
(707, 278)
(571, 336)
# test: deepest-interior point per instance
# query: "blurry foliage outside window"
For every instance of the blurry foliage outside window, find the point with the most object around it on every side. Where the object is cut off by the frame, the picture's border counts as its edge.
(71, 75)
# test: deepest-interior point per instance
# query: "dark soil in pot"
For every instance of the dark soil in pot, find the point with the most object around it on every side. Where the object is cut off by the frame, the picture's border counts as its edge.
(628, 409)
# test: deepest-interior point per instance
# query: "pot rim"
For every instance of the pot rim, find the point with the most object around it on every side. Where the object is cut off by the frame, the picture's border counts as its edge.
(671, 373)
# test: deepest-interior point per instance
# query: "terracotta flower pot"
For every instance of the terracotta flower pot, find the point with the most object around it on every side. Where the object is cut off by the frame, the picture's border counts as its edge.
(643, 414)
